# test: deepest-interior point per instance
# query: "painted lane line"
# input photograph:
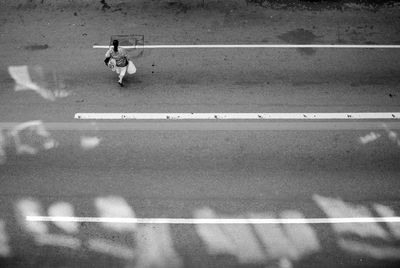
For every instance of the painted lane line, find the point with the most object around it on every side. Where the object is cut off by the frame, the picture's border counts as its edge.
(212, 221)
(256, 46)
(236, 116)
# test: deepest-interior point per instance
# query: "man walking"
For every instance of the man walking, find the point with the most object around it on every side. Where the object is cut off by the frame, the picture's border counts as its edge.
(117, 59)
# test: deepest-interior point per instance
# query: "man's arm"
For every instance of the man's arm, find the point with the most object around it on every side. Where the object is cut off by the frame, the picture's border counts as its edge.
(108, 56)
(108, 53)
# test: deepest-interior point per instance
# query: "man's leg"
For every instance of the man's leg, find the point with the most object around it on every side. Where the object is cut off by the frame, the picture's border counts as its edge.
(121, 75)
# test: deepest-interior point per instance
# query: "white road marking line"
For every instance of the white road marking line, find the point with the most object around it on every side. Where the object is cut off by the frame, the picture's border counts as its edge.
(5, 249)
(257, 46)
(360, 248)
(337, 208)
(277, 244)
(344, 220)
(303, 237)
(386, 211)
(115, 206)
(111, 248)
(155, 248)
(236, 116)
(63, 209)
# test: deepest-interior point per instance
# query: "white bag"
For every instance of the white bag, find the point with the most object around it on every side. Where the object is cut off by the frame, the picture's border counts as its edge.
(131, 68)
(112, 64)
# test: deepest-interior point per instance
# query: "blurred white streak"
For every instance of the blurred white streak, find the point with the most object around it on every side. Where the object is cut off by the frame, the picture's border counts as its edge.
(285, 263)
(362, 248)
(277, 245)
(386, 211)
(24, 81)
(3, 156)
(4, 246)
(393, 136)
(64, 209)
(303, 236)
(369, 137)
(30, 207)
(115, 206)
(58, 240)
(216, 241)
(336, 208)
(50, 144)
(25, 76)
(112, 249)
(155, 248)
(60, 93)
(248, 249)
(31, 128)
(88, 143)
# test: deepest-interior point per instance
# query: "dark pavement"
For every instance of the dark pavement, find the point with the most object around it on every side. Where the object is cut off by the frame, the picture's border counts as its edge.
(60, 166)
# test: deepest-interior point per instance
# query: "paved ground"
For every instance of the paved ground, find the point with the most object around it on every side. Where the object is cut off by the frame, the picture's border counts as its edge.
(284, 169)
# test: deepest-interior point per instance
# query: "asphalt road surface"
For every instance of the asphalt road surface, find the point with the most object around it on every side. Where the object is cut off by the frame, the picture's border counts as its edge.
(54, 165)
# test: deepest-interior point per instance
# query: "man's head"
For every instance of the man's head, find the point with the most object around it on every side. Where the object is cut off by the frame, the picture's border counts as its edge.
(115, 44)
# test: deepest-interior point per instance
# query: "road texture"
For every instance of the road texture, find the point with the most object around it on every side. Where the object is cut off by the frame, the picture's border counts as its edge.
(55, 165)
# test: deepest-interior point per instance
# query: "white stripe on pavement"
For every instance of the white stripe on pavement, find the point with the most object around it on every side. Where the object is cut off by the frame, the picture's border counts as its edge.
(236, 116)
(256, 46)
(213, 221)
